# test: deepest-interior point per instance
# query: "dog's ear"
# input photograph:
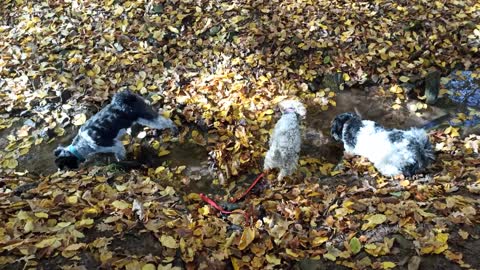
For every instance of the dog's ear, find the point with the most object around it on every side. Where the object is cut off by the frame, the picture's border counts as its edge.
(338, 123)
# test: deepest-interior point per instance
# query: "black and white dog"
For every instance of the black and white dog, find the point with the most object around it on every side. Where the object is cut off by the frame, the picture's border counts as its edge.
(391, 151)
(102, 132)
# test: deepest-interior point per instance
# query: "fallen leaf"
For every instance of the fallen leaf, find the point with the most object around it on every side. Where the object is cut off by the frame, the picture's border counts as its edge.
(247, 237)
(168, 241)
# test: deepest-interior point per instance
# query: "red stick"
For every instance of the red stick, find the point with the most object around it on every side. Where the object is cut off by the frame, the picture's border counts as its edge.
(223, 211)
(250, 188)
(214, 204)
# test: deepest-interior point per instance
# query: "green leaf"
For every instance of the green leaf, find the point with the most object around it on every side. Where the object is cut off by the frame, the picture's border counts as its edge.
(326, 59)
(355, 245)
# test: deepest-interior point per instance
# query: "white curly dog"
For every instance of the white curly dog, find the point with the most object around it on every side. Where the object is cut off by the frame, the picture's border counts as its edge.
(286, 139)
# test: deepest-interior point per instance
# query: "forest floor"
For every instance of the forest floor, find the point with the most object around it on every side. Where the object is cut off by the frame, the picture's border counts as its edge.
(218, 69)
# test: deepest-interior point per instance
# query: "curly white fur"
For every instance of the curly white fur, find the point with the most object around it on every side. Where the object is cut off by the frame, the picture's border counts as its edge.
(286, 139)
(392, 151)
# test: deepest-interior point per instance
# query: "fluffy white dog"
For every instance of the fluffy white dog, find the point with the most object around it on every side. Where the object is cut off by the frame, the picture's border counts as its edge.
(391, 151)
(286, 139)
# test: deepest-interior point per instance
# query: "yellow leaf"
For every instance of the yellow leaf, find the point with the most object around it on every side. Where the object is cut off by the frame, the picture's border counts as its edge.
(168, 241)
(440, 249)
(442, 237)
(173, 29)
(159, 169)
(272, 259)
(85, 222)
(121, 188)
(346, 77)
(454, 132)
(79, 119)
(388, 265)
(269, 111)
(91, 211)
(463, 234)
(91, 73)
(330, 257)
(236, 263)
(41, 215)
(10, 163)
(74, 247)
(404, 183)
(317, 241)
(396, 106)
(149, 266)
(204, 211)
(163, 152)
(396, 89)
(118, 11)
(248, 236)
(72, 199)
(29, 226)
(291, 253)
(120, 205)
(404, 79)
(373, 220)
(46, 242)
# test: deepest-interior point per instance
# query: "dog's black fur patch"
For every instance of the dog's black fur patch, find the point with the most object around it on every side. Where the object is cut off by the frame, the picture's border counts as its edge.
(65, 159)
(351, 130)
(395, 136)
(121, 113)
(337, 125)
(423, 160)
(351, 123)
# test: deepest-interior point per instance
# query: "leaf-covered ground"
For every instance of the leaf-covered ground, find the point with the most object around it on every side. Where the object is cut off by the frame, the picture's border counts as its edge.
(218, 68)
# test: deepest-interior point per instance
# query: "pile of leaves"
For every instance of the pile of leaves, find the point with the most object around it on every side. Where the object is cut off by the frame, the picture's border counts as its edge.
(218, 69)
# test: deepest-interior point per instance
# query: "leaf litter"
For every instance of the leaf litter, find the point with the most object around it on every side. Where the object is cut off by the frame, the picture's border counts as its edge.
(218, 70)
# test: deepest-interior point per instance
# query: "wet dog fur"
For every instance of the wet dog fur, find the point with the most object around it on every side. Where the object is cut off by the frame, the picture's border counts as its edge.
(285, 141)
(102, 132)
(392, 151)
